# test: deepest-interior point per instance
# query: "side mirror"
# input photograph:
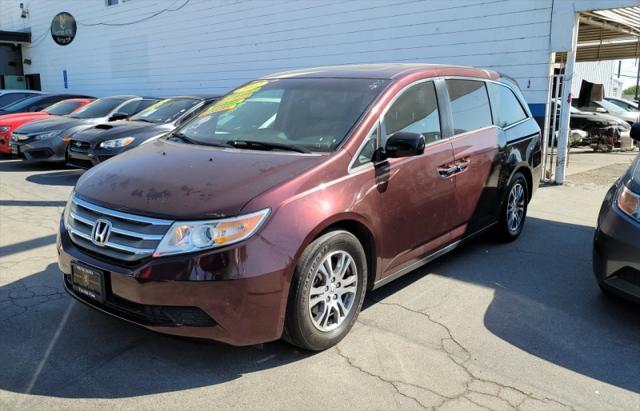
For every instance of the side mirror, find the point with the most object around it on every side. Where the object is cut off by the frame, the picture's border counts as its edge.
(635, 131)
(601, 110)
(118, 116)
(404, 144)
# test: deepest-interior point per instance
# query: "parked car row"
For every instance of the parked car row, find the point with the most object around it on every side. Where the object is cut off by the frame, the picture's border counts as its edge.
(83, 132)
(596, 129)
(605, 122)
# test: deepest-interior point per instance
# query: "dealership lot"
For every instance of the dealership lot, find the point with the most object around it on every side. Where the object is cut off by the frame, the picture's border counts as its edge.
(498, 326)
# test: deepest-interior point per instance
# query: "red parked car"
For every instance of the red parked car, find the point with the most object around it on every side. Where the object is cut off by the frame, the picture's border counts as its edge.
(273, 211)
(10, 122)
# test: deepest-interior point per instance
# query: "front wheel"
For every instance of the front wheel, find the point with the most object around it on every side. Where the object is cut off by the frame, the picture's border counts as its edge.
(327, 291)
(514, 211)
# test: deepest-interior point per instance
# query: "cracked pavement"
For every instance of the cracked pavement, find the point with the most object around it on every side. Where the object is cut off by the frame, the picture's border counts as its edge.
(518, 326)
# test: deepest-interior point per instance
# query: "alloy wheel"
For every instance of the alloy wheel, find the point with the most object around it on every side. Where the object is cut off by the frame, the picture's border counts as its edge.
(333, 291)
(515, 208)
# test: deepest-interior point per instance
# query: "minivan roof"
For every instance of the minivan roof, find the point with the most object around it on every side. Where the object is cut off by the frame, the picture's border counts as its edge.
(386, 71)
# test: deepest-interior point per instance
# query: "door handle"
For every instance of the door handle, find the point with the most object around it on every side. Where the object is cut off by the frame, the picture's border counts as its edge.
(463, 164)
(448, 170)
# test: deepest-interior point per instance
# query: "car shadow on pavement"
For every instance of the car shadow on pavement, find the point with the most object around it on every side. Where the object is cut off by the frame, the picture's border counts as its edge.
(60, 178)
(52, 345)
(21, 166)
(546, 300)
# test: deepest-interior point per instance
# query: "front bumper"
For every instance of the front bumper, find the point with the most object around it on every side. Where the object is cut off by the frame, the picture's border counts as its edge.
(50, 150)
(240, 311)
(616, 253)
(4, 143)
(93, 156)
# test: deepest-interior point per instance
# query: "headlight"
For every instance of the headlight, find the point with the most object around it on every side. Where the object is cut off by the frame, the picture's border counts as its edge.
(67, 210)
(118, 142)
(47, 135)
(190, 236)
(4, 129)
(628, 202)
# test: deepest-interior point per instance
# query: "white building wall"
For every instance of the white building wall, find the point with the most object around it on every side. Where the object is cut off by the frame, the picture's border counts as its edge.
(600, 72)
(210, 46)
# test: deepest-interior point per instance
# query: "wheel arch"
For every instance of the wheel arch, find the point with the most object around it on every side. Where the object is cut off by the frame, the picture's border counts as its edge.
(359, 227)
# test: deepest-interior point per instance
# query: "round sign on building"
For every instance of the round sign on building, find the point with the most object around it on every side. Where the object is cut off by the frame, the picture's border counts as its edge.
(63, 28)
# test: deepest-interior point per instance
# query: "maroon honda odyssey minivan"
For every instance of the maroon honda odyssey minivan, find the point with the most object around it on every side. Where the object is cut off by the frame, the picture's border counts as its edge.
(271, 213)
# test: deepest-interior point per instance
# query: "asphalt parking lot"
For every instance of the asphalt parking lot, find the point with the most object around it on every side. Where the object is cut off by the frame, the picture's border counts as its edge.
(489, 326)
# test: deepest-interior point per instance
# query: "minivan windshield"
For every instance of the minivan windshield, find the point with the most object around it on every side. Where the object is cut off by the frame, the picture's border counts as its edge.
(306, 114)
(99, 108)
(166, 111)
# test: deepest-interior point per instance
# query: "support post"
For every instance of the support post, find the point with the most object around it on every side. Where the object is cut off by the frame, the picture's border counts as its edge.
(565, 107)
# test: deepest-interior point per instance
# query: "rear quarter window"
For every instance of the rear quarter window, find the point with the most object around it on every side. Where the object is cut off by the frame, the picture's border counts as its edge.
(507, 109)
(470, 107)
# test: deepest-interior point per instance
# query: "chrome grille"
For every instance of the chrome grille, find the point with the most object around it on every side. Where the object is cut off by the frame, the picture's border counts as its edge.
(132, 237)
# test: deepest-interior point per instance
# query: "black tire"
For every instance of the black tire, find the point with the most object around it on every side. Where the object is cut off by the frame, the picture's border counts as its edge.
(505, 230)
(300, 329)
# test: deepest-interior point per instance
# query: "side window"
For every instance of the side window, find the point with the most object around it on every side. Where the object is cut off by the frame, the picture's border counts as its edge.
(507, 109)
(416, 111)
(367, 151)
(469, 105)
(130, 108)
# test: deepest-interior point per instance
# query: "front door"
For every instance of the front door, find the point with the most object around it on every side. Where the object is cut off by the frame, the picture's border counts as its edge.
(416, 194)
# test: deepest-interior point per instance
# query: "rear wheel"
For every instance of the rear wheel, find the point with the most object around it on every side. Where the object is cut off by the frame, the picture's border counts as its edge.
(327, 291)
(514, 211)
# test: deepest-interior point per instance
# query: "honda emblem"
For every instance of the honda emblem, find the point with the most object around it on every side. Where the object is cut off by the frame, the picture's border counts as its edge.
(100, 232)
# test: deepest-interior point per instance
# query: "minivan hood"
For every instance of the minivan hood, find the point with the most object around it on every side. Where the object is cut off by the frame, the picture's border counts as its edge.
(119, 129)
(180, 181)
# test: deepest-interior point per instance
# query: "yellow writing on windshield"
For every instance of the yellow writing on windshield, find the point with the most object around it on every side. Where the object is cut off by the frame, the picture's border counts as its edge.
(235, 98)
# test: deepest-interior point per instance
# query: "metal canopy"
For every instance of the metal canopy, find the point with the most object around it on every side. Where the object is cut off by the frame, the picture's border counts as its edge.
(15, 37)
(612, 34)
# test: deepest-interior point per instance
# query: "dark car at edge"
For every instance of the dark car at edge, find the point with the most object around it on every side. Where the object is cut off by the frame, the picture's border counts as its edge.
(616, 248)
(272, 212)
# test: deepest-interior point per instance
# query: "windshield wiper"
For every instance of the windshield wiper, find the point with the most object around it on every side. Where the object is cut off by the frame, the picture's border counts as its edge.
(267, 145)
(189, 140)
(182, 138)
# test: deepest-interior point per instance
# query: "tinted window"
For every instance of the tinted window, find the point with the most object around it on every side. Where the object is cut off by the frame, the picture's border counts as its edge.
(10, 98)
(506, 106)
(131, 107)
(166, 111)
(99, 108)
(62, 108)
(416, 111)
(469, 105)
(25, 104)
(311, 113)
